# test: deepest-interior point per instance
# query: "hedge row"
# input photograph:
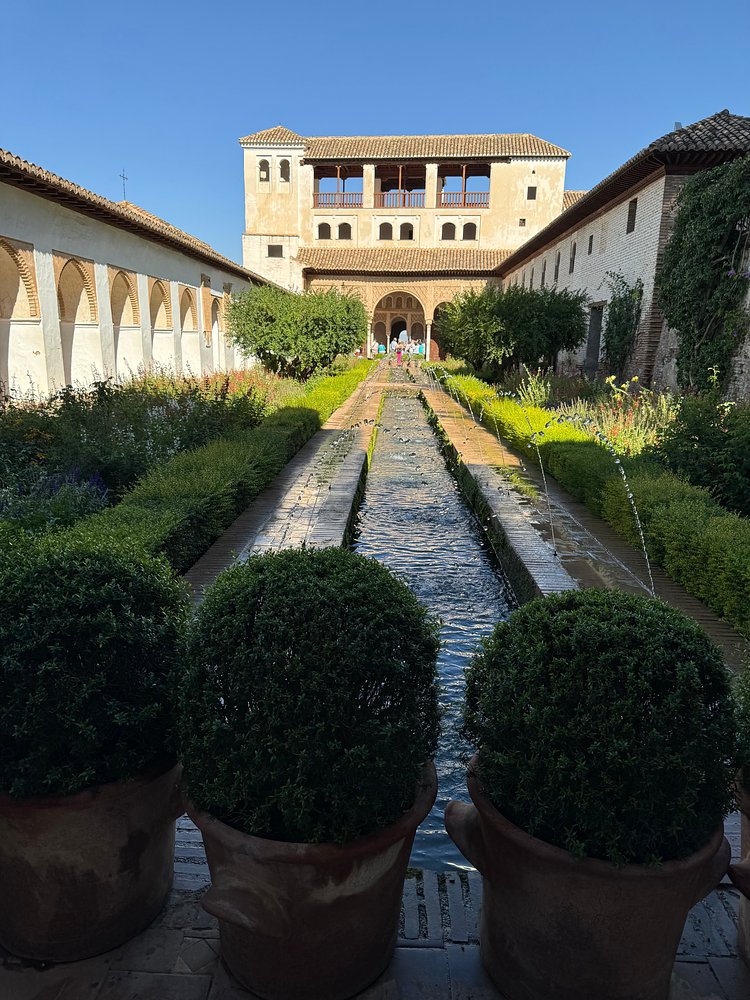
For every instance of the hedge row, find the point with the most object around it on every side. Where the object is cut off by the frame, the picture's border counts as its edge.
(179, 509)
(700, 544)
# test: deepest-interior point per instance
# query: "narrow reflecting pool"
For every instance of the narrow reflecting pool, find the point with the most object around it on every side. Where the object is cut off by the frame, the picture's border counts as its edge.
(414, 519)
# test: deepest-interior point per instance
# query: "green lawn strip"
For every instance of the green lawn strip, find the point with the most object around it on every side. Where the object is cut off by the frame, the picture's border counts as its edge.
(698, 542)
(179, 509)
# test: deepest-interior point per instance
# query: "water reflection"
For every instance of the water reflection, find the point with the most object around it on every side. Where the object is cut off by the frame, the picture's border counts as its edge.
(414, 519)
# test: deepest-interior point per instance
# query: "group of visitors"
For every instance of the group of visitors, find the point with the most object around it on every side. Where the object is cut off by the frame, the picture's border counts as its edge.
(403, 348)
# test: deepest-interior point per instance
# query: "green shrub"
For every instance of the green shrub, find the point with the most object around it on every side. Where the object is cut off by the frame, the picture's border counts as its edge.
(309, 701)
(90, 639)
(605, 725)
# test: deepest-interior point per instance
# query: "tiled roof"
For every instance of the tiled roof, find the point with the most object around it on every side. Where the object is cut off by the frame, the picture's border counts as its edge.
(276, 136)
(124, 215)
(400, 260)
(704, 144)
(410, 147)
(571, 197)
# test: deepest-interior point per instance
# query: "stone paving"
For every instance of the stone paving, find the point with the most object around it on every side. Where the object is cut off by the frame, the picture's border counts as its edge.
(437, 957)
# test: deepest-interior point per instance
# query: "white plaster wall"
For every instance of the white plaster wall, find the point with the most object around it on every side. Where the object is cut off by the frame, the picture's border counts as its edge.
(22, 343)
(52, 228)
(633, 255)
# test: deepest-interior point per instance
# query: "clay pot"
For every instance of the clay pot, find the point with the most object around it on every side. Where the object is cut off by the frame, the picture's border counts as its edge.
(555, 927)
(82, 874)
(309, 920)
(740, 873)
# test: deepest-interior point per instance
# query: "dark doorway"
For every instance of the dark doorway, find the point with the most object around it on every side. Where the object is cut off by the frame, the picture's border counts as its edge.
(397, 326)
(594, 340)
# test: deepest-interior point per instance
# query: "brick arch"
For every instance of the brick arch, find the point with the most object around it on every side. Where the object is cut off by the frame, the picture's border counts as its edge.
(163, 288)
(26, 274)
(88, 286)
(188, 310)
(132, 294)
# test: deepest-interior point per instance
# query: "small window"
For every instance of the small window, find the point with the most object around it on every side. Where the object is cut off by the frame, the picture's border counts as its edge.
(523, 280)
(448, 231)
(531, 279)
(522, 222)
(632, 209)
(591, 244)
(531, 194)
(572, 264)
(264, 172)
(470, 231)
(275, 250)
(324, 231)
(284, 171)
(345, 231)
(406, 232)
(557, 266)
(386, 231)
(543, 280)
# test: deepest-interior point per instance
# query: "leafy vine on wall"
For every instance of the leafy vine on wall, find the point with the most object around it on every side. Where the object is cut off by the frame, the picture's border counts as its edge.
(623, 317)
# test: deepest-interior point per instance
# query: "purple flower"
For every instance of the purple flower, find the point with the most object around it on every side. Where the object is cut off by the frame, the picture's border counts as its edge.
(731, 272)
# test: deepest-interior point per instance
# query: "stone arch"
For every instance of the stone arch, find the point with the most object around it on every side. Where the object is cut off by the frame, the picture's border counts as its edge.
(79, 335)
(73, 284)
(285, 171)
(264, 171)
(385, 231)
(188, 312)
(189, 335)
(126, 320)
(437, 346)
(18, 295)
(160, 306)
(400, 308)
(124, 300)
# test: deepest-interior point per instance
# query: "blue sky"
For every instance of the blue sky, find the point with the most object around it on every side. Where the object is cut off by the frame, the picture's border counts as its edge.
(164, 89)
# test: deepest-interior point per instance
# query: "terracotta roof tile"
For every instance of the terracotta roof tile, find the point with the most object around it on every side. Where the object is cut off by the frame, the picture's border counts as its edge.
(409, 147)
(276, 136)
(400, 260)
(571, 197)
(124, 214)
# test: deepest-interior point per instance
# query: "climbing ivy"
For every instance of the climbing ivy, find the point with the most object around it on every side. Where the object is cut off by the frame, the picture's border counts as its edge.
(623, 316)
(704, 277)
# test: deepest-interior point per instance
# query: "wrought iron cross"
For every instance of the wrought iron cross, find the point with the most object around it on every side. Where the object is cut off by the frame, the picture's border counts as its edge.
(123, 178)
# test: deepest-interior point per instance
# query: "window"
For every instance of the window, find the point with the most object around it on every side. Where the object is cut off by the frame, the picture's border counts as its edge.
(284, 171)
(264, 172)
(407, 231)
(531, 194)
(470, 231)
(386, 231)
(572, 263)
(523, 280)
(531, 279)
(345, 231)
(522, 222)
(591, 244)
(275, 250)
(557, 266)
(324, 231)
(543, 280)
(632, 209)
(448, 231)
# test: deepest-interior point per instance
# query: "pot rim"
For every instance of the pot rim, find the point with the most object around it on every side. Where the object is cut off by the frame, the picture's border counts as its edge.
(291, 852)
(87, 796)
(593, 867)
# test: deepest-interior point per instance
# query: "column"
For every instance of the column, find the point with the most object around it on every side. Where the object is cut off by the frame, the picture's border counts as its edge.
(428, 332)
(106, 329)
(50, 316)
(368, 185)
(144, 308)
(174, 293)
(430, 187)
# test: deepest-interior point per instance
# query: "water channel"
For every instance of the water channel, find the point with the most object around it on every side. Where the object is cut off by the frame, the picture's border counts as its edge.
(414, 519)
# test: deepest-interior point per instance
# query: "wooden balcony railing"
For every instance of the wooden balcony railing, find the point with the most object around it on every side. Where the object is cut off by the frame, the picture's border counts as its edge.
(399, 199)
(337, 199)
(465, 199)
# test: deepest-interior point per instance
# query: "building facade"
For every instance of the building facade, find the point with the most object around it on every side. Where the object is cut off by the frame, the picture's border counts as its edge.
(91, 288)
(404, 221)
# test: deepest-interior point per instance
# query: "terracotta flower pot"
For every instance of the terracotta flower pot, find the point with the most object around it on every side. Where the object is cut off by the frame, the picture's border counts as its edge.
(309, 920)
(740, 873)
(82, 874)
(555, 927)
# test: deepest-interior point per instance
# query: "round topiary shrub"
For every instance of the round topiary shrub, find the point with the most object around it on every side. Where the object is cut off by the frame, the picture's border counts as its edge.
(604, 725)
(89, 640)
(309, 700)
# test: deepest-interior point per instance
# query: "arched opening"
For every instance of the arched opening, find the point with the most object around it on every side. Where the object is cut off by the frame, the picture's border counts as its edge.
(284, 171)
(264, 172)
(437, 341)
(162, 335)
(379, 338)
(324, 231)
(216, 337)
(345, 231)
(79, 332)
(21, 350)
(469, 231)
(125, 324)
(189, 337)
(400, 315)
(448, 232)
(407, 231)
(385, 232)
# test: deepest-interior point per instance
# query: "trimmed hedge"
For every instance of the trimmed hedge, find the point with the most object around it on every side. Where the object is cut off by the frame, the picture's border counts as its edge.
(700, 544)
(179, 509)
